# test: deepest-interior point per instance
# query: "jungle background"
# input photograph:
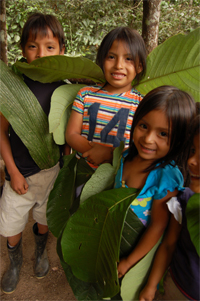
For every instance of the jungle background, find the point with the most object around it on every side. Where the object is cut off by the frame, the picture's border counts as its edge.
(85, 23)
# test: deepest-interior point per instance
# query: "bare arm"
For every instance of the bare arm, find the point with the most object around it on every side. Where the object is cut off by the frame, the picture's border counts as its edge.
(162, 260)
(95, 152)
(18, 182)
(159, 221)
(73, 133)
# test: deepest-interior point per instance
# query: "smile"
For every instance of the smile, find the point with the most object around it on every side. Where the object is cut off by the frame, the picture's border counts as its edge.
(118, 75)
(194, 176)
(146, 149)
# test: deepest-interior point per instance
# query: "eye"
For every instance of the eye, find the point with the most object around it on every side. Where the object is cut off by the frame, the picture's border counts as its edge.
(163, 134)
(31, 46)
(129, 59)
(110, 56)
(192, 151)
(143, 125)
(50, 47)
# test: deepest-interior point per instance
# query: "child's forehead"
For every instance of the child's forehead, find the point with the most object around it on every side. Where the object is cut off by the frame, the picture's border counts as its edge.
(40, 32)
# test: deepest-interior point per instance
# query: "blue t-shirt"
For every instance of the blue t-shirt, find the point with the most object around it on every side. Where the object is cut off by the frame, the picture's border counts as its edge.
(158, 183)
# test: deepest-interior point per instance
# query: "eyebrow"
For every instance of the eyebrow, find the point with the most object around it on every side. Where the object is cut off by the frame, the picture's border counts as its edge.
(126, 54)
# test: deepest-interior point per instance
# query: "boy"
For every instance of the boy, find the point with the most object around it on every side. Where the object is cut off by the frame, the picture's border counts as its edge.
(27, 186)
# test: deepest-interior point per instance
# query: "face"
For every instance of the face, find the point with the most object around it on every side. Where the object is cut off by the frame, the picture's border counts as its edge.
(119, 68)
(152, 136)
(194, 165)
(41, 46)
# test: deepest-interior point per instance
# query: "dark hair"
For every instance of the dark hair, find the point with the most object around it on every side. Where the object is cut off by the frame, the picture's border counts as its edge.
(180, 109)
(194, 130)
(39, 22)
(135, 43)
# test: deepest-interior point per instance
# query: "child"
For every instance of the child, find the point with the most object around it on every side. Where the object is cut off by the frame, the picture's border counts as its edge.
(101, 116)
(159, 127)
(27, 186)
(182, 280)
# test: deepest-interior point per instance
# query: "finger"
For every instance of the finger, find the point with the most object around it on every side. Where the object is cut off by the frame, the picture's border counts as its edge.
(84, 155)
(91, 143)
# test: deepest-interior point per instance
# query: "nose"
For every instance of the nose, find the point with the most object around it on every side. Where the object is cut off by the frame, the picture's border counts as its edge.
(149, 137)
(193, 160)
(40, 52)
(119, 63)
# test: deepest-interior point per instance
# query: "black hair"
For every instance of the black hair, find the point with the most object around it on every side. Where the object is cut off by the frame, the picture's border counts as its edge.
(135, 43)
(39, 22)
(180, 109)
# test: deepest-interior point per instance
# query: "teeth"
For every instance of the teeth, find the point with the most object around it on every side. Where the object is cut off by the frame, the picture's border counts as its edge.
(194, 176)
(118, 75)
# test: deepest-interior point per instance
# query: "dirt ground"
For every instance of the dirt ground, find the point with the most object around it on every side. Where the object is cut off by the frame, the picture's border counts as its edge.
(53, 287)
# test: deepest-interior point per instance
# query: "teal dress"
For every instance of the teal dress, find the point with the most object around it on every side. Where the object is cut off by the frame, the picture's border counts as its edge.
(158, 183)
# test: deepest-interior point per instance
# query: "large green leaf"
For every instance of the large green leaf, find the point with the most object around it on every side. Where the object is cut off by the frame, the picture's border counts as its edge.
(192, 215)
(61, 104)
(62, 201)
(90, 241)
(175, 62)
(82, 290)
(59, 67)
(136, 277)
(104, 176)
(23, 111)
(61, 196)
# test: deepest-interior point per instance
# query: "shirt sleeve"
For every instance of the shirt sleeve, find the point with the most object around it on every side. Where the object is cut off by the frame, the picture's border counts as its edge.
(78, 104)
(162, 180)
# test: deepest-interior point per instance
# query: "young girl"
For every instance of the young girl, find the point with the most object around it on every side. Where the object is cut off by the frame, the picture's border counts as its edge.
(182, 280)
(101, 116)
(159, 128)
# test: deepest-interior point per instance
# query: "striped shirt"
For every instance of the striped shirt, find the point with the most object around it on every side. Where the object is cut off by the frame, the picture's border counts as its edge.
(107, 117)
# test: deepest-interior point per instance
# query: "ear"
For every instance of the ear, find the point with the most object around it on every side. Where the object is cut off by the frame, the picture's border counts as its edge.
(139, 69)
(62, 51)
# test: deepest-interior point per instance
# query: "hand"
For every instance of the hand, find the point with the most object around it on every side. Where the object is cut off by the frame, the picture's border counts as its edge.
(18, 183)
(98, 154)
(123, 267)
(148, 293)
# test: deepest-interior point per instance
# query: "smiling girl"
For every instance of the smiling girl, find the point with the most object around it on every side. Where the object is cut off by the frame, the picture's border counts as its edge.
(158, 132)
(101, 116)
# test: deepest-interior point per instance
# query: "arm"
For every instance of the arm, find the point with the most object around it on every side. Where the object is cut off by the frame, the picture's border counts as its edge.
(159, 221)
(95, 152)
(162, 260)
(18, 182)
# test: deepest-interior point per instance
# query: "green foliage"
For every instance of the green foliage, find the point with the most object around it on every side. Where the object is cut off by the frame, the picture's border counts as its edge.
(21, 108)
(85, 22)
(90, 241)
(175, 62)
(192, 215)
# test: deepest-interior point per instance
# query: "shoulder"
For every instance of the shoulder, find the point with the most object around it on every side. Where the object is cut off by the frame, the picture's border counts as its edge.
(89, 89)
(136, 94)
(163, 180)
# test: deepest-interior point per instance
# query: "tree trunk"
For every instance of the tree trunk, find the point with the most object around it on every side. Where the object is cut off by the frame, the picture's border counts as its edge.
(150, 23)
(3, 34)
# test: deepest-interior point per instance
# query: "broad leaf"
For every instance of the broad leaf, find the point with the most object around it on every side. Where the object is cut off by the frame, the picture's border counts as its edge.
(90, 241)
(104, 176)
(82, 290)
(62, 201)
(192, 215)
(23, 111)
(176, 62)
(59, 67)
(61, 104)
(61, 196)
(136, 277)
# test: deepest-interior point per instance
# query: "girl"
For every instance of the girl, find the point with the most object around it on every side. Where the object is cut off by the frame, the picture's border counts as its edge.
(182, 281)
(101, 116)
(159, 128)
